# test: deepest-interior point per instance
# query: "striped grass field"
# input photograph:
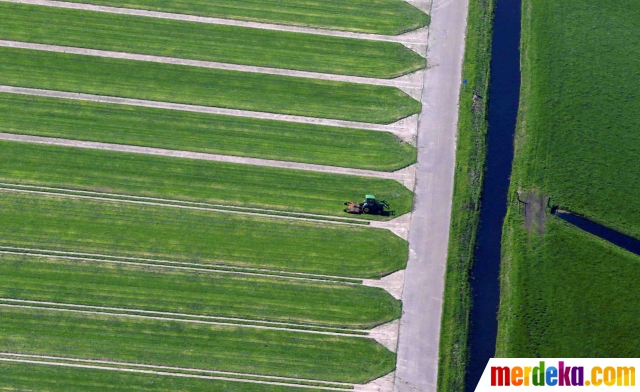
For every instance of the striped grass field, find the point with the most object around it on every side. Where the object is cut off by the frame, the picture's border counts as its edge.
(209, 42)
(204, 86)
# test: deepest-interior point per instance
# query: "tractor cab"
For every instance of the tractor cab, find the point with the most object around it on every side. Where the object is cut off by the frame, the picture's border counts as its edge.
(369, 206)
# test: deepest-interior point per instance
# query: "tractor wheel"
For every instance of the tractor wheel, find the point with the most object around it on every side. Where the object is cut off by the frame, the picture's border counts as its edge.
(366, 210)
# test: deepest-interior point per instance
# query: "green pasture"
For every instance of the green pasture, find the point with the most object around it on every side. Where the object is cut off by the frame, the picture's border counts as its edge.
(182, 344)
(367, 16)
(50, 378)
(210, 42)
(114, 228)
(567, 294)
(203, 86)
(172, 129)
(580, 143)
(193, 180)
(194, 292)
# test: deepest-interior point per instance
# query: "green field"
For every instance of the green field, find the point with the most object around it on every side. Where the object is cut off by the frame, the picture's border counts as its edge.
(465, 213)
(62, 223)
(210, 42)
(182, 344)
(565, 293)
(581, 144)
(195, 292)
(208, 133)
(29, 377)
(544, 316)
(367, 16)
(192, 180)
(203, 86)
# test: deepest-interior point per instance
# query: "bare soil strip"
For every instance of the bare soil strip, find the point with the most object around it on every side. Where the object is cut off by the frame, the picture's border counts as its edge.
(184, 320)
(417, 37)
(405, 129)
(177, 372)
(406, 83)
(231, 320)
(176, 265)
(157, 204)
(173, 201)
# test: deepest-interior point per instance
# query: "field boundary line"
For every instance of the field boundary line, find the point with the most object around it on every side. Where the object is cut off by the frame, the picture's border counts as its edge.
(39, 359)
(186, 315)
(157, 204)
(181, 265)
(410, 39)
(404, 129)
(404, 83)
(202, 322)
(195, 203)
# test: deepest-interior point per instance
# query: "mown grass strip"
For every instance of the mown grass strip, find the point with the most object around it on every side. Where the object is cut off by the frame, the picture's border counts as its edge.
(470, 164)
(193, 180)
(245, 350)
(55, 378)
(209, 42)
(389, 17)
(198, 236)
(195, 293)
(207, 133)
(203, 86)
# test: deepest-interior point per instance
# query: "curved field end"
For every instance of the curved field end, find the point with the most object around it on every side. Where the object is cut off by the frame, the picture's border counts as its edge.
(196, 236)
(194, 180)
(195, 292)
(389, 17)
(199, 132)
(221, 348)
(56, 378)
(207, 42)
(207, 87)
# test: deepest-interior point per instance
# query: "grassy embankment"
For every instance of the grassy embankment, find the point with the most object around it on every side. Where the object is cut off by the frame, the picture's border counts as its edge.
(30, 377)
(470, 161)
(182, 344)
(208, 133)
(195, 292)
(389, 17)
(192, 180)
(61, 223)
(210, 42)
(202, 86)
(564, 292)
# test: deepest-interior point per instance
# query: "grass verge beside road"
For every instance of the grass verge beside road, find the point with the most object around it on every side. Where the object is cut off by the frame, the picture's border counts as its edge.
(200, 132)
(193, 180)
(194, 292)
(389, 17)
(120, 229)
(209, 42)
(181, 344)
(203, 86)
(470, 166)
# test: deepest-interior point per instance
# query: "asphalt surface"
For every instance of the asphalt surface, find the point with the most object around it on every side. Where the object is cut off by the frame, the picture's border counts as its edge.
(418, 346)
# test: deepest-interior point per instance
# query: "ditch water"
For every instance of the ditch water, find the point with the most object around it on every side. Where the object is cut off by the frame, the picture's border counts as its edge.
(624, 241)
(504, 94)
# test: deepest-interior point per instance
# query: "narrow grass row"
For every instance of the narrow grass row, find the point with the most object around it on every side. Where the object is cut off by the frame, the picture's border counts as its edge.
(170, 343)
(210, 42)
(192, 180)
(185, 235)
(207, 133)
(195, 293)
(203, 86)
(378, 16)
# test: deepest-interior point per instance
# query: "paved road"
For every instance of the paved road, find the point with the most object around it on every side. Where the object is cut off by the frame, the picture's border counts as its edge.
(429, 234)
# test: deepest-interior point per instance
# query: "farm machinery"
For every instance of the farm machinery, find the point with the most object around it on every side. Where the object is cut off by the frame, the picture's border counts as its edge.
(369, 206)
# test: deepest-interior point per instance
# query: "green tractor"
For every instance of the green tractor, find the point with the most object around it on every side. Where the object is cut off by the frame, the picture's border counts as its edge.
(369, 206)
